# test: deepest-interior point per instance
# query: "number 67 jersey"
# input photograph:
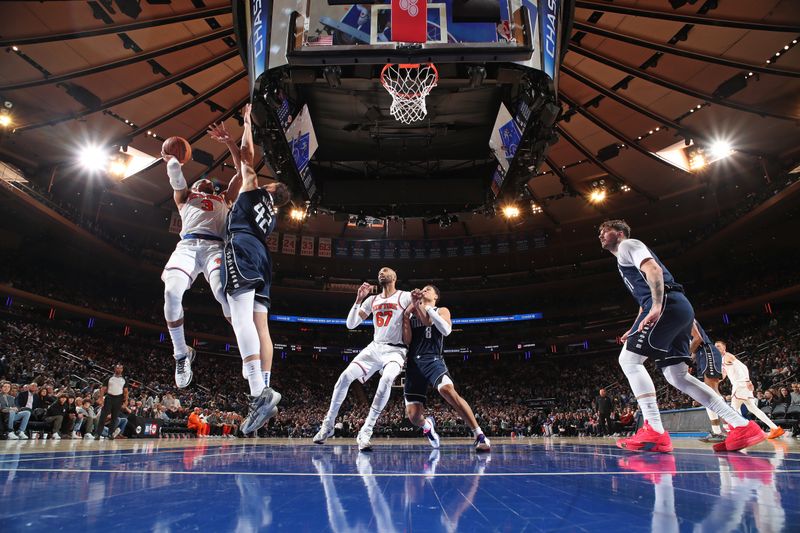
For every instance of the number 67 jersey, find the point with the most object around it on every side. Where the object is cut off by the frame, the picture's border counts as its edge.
(387, 316)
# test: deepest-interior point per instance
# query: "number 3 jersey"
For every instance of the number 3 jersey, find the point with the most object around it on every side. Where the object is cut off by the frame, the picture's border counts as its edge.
(203, 214)
(387, 315)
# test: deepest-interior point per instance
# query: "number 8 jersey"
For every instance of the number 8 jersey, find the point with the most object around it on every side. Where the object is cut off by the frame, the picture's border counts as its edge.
(387, 315)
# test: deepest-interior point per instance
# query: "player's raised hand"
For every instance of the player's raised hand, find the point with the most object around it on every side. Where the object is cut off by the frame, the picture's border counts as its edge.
(219, 133)
(363, 291)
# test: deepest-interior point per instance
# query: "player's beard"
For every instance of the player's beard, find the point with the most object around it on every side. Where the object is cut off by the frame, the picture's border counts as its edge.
(383, 282)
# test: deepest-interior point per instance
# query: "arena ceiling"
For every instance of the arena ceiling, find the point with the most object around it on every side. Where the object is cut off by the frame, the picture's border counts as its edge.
(638, 77)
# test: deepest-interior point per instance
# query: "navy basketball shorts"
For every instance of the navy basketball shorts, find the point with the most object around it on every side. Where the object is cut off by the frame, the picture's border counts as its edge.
(709, 361)
(421, 370)
(667, 341)
(247, 267)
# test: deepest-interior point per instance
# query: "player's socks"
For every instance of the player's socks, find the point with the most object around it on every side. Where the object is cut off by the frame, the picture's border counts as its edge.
(179, 347)
(716, 427)
(427, 425)
(476, 431)
(267, 374)
(254, 377)
(650, 412)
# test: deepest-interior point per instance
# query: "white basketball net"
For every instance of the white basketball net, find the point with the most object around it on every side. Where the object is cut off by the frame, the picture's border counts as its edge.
(409, 84)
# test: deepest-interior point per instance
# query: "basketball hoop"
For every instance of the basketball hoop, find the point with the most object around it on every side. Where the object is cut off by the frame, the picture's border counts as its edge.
(409, 84)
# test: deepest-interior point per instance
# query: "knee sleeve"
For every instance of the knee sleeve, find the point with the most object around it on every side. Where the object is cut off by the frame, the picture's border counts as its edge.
(350, 374)
(633, 367)
(175, 284)
(243, 325)
(215, 282)
(390, 373)
(676, 375)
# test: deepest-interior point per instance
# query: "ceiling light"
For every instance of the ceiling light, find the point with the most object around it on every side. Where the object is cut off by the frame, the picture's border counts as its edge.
(625, 188)
(697, 161)
(5, 120)
(93, 158)
(297, 214)
(597, 196)
(536, 208)
(720, 149)
(511, 211)
(15, 48)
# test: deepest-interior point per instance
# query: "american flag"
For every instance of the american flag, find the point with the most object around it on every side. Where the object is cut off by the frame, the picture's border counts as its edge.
(321, 40)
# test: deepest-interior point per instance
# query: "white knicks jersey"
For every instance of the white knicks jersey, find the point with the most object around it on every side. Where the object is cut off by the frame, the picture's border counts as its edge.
(738, 374)
(387, 315)
(204, 214)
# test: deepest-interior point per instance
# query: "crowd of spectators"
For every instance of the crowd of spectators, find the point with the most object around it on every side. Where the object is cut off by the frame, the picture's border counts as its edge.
(544, 396)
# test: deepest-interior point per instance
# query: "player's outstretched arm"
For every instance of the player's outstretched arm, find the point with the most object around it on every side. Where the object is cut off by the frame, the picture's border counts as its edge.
(220, 133)
(176, 179)
(246, 153)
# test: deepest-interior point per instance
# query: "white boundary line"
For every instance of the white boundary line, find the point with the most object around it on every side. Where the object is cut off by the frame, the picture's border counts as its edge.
(386, 474)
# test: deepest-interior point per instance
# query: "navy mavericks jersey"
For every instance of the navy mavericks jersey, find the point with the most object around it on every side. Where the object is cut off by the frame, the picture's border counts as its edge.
(425, 340)
(630, 255)
(254, 213)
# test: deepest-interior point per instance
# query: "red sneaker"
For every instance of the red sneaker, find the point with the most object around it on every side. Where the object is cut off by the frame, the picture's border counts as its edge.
(652, 467)
(647, 439)
(741, 437)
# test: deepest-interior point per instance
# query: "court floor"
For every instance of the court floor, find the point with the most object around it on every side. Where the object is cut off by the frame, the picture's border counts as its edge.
(403, 485)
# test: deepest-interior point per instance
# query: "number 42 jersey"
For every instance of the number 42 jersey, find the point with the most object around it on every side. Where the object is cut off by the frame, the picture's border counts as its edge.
(253, 213)
(387, 315)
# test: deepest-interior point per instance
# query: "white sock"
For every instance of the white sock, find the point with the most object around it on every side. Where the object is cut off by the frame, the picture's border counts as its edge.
(427, 425)
(254, 377)
(679, 377)
(267, 375)
(477, 431)
(179, 347)
(650, 412)
(715, 422)
(641, 385)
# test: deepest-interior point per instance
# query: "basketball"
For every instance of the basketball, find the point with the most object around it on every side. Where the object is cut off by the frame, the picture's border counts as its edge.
(178, 147)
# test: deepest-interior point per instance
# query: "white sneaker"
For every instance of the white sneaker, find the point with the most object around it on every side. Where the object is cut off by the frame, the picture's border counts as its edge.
(433, 437)
(88, 436)
(183, 369)
(22, 435)
(75, 435)
(482, 444)
(324, 433)
(56, 436)
(12, 436)
(364, 444)
(116, 433)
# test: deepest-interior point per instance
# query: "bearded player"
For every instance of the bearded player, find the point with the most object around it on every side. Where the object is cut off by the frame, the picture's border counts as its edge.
(203, 216)
(662, 332)
(385, 354)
